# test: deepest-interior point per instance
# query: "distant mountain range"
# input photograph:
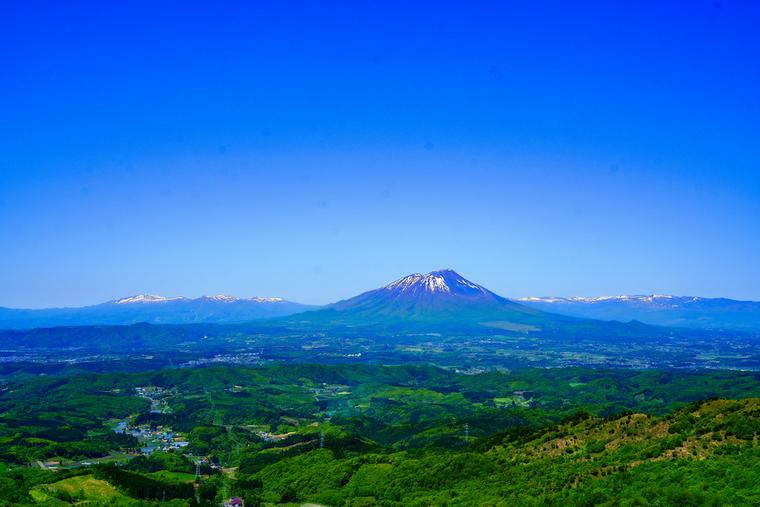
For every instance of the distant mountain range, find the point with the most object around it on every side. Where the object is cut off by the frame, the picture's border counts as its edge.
(155, 310)
(439, 298)
(440, 303)
(661, 310)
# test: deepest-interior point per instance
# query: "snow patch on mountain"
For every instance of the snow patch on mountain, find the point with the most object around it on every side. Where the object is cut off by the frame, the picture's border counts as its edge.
(428, 283)
(144, 298)
(441, 282)
(267, 300)
(221, 298)
(637, 298)
(216, 298)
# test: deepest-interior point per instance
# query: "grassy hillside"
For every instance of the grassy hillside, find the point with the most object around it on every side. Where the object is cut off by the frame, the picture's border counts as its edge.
(706, 454)
(81, 489)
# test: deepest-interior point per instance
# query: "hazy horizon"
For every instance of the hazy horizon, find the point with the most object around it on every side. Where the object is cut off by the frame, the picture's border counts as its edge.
(251, 296)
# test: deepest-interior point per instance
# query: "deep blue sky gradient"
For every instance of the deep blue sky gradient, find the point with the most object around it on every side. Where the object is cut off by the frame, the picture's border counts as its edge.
(313, 150)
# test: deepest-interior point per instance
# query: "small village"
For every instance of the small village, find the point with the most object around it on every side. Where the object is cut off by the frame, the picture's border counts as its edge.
(157, 396)
(154, 438)
(159, 438)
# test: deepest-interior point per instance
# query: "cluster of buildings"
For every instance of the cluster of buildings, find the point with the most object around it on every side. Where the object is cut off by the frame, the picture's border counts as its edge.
(270, 437)
(159, 438)
(157, 397)
(242, 359)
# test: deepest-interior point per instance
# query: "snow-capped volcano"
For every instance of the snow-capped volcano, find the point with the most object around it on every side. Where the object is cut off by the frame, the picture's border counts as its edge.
(443, 281)
(436, 297)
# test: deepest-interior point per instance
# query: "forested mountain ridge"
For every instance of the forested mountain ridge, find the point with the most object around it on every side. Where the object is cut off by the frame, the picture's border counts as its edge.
(705, 454)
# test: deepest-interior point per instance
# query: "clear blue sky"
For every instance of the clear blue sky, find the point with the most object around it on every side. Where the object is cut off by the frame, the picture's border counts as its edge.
(313, 151)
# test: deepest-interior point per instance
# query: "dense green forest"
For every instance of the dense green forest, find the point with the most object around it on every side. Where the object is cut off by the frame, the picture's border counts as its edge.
(382, 435)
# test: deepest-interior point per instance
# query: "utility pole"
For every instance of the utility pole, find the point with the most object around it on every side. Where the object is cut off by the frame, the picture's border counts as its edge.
(466, 433)
(322, 439)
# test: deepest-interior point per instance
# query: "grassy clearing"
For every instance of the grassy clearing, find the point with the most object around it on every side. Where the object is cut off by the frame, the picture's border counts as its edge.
(80, 490)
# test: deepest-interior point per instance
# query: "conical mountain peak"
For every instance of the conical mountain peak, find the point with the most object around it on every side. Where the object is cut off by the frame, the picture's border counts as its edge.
(444, 281)
(441, 296)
